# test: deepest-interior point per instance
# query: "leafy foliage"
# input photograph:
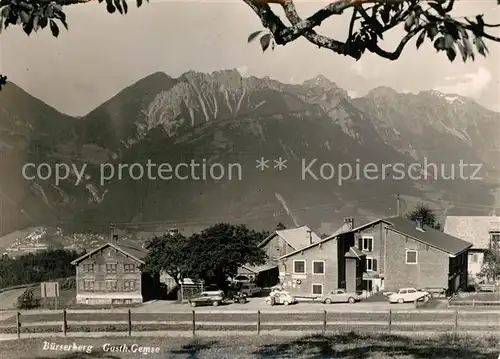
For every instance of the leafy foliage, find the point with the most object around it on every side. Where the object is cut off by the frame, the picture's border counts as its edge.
(428, 20)
(265, 40)
(212, 255)
(426, 214)
(37, 267)
(170, 254)
(490, 268)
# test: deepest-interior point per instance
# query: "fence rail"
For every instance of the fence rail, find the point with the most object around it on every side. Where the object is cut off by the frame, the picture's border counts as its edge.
(388, 321)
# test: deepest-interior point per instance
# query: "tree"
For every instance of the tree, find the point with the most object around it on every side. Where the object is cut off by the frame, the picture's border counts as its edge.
(490, 268)
(426, 214)
(218, 251)
(280, 226)
(169, 254)
(370, 20)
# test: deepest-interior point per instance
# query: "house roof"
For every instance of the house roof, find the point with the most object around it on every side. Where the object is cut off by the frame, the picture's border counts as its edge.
(473, 229)
(432, 237)
(354, 253)
(343, 229)
(129, 248)
(296, 238)
(259, 269)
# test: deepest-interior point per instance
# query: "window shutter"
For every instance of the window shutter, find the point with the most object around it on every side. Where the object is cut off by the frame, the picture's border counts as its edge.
(360, 244)
(371, 244)
(374, 264)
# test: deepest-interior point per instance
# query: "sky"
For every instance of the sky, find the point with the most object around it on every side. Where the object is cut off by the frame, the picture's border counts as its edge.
(102, 53)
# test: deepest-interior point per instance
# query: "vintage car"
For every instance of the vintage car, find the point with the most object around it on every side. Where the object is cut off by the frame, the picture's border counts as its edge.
(281, 297)
(207, 298)
(341, 296)
(404, 295)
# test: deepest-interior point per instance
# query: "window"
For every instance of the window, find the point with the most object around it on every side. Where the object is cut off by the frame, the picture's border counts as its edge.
(111, 268)
(299, 266)
(129, 268)
(411, 291)
(88, 268)
(317, 289)
(129, 285)
(318, 267)
(111, 285)
(88, 285)
(411, 257)
(367, 244)
(474, 258)
(371, 264)
(494, 239)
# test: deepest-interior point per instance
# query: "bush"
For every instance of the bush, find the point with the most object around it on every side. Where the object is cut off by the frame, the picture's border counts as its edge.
(26, 300)
(67, 283)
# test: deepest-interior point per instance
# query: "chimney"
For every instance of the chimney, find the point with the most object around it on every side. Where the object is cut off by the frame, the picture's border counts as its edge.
(420, 223)
(348, 223)
(310, 237)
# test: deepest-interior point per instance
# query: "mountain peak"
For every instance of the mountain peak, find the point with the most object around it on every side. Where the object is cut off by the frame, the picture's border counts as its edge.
(382, 91)
(320, 81)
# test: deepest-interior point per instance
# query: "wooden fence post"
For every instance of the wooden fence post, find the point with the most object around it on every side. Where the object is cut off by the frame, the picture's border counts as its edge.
(324, 322)
(455, 325)
(18, 321)
(65, 322)
(129, 323)
(258, 322)
(390, 321)
(194, 324)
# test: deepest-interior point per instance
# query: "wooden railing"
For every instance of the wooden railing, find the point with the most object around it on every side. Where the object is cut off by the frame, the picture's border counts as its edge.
(122, 322)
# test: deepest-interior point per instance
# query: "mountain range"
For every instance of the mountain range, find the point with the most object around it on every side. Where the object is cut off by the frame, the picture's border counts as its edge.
(225, 118)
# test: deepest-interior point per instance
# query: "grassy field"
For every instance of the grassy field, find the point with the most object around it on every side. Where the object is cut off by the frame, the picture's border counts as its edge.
(344, 346)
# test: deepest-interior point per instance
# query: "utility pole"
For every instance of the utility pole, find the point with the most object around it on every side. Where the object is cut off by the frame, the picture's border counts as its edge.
(398, 206)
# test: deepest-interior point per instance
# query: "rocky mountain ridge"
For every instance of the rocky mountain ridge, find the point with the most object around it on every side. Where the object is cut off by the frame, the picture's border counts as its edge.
(224, 117)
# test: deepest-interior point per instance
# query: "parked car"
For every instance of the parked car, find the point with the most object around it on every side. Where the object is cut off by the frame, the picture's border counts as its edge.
(435, 292)
(341, 296)
(404, 295)
(213, 289)
(242, 279)
(207, 298)
(280, 298)
(250, 289)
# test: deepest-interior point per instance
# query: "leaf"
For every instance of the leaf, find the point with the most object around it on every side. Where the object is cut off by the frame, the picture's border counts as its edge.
(439, 43)
(25, 17)
(118, 6)
(450, 52)
(439, 9)
(421, 38)
(43, 22)
(139, 3)
(432, 31)
(28, 28)
(409, 22)
(481, 47)
(125, 6)
(463, 51)
(253, 35)
(448, 41)
(265, 41)
(386, 14)
(54, 28)
(36, 23)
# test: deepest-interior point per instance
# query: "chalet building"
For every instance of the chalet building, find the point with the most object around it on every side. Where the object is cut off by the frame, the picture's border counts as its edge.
(276, 245)
(111, 274)
(402, 253)
(322, 266)
(482, 231)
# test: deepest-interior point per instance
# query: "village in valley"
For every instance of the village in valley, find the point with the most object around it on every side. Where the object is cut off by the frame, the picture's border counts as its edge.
(400, 259)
